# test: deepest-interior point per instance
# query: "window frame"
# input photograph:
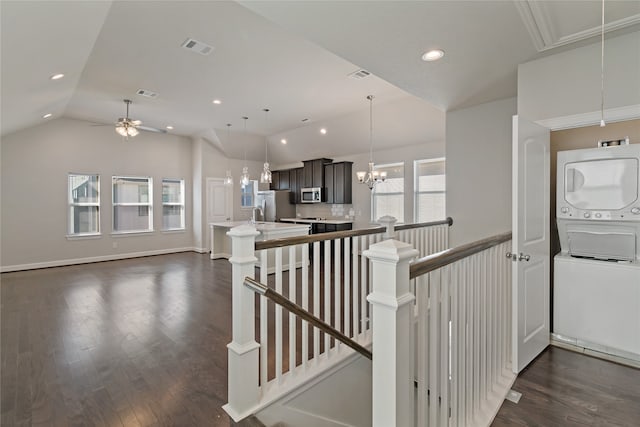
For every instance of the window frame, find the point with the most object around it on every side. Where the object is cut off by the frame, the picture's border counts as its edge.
(181, 203)
(254, 193)
(417, 192)
(375, 217)
(148, 204)
(71, 205)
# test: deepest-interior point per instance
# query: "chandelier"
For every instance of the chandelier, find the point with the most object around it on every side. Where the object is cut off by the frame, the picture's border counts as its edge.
(372, 176)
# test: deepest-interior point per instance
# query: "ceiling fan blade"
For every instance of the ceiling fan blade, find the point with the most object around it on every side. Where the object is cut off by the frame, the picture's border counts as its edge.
(136, 122)
(150, 129)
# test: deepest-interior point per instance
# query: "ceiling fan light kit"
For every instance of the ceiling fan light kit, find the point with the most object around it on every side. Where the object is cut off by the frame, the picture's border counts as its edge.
(128, 128)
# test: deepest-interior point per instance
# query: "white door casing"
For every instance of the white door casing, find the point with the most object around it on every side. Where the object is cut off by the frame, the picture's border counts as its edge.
(530, 248)
(219, 202)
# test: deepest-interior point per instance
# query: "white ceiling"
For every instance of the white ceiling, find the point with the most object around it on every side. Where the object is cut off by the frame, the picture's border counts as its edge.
(290, 57)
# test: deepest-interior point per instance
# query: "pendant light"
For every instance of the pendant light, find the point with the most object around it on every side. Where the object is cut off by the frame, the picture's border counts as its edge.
(245, 178)
(372, 176)
(228, 180)
(602, 123)
(265, 176)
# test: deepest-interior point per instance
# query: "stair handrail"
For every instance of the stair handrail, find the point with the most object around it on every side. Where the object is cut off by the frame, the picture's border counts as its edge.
(294, 308)
(432, 262)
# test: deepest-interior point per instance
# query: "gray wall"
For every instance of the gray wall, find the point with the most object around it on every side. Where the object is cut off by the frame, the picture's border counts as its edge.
(568, 83)
(35, 164)
(479, 170)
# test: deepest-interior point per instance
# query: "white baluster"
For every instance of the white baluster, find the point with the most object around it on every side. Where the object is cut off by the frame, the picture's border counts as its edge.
(316, 297)
(278, 316)
(347, 288)
(356, 312)
(305, 299)
(292, 317)
(264, 322)
(337, 292)
(327, 293)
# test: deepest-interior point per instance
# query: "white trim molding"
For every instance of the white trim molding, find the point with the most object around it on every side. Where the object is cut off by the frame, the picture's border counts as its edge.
(592, 118)
(539, 22)
(76, 261)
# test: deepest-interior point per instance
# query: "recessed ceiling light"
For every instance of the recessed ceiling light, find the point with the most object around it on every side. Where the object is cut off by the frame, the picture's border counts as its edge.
(284, 141)
(433, 55)
(217, 101)
(323, 131)
(57, 76)
(170, 127)
(46, 116)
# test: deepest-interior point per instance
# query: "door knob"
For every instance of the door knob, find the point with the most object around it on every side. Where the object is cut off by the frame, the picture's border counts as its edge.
(523, 257)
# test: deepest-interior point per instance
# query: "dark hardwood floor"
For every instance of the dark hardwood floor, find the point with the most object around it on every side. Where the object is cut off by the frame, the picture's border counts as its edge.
(563, 388)
(123, 343)
(143, 342)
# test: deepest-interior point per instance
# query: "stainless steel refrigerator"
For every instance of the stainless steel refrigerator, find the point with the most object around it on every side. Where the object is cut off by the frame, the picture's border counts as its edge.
(275, 205)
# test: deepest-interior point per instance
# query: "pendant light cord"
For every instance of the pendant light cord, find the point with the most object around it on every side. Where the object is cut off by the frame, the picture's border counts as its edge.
(245, 144)
(266, 140)
(602, 70)
(370, 98)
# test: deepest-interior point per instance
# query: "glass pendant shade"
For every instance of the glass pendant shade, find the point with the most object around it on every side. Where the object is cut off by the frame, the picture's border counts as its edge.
(265, 176)
(228, 180)
(244, 178)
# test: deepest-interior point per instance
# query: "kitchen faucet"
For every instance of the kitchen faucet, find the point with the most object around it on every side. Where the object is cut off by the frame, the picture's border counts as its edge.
(259, 209)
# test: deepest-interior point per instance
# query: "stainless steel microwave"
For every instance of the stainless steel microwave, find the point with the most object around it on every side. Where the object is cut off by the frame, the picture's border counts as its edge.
(311, 195)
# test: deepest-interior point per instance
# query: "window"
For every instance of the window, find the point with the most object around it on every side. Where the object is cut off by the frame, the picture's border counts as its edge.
(387, 197)
(84, 204)
(247, 194)
(132, 204)
(429, 201)
(173, 204)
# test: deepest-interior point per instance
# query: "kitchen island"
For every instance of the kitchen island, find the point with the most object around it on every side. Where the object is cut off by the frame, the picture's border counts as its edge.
(221, 243)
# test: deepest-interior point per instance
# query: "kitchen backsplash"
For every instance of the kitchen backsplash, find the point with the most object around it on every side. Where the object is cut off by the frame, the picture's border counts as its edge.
(324, 210)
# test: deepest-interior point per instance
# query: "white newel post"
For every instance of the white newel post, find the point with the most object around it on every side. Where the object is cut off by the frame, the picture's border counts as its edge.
(392, 304)
(388, 222)
(243, 349)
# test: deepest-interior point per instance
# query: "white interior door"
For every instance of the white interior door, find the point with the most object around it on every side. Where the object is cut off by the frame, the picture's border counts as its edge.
(530, 241)
(219, 202)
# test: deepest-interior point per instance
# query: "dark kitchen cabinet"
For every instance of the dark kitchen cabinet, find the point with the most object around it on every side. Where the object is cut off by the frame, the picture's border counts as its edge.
(284, 181)
(295, 184)
(338, 180)
(314, 173)
(329, 184)
(275, 180)
(280, 180)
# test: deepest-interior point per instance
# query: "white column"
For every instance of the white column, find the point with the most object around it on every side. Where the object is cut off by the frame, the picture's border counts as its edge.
(391, 300)
(389, 222)
(243, 349)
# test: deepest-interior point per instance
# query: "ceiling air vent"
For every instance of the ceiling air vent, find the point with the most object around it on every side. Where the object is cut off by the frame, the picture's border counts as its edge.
(359, 74)
(196, 46)
(147, 93)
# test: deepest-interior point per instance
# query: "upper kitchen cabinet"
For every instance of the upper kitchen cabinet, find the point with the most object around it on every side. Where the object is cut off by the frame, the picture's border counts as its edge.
(314, 173)
(338, 180)
(279, 180)
(296, 177)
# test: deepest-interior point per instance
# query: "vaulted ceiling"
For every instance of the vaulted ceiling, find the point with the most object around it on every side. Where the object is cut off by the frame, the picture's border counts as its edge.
(293, 58)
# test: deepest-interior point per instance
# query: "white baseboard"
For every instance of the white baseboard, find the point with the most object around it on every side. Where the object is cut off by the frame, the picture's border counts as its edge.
(87, 260)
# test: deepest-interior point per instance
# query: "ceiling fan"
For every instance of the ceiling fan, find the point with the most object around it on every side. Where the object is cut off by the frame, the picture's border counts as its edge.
(130, 128)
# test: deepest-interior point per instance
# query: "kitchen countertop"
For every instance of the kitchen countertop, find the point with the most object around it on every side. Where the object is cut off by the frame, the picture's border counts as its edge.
(260, 226)
(317, 221)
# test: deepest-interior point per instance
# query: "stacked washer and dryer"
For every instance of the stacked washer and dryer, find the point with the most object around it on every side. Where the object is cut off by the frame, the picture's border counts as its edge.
(597, 272)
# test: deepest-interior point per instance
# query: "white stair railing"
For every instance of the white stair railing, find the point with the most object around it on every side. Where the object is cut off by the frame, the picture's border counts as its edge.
(326, 275)
(462, 367)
